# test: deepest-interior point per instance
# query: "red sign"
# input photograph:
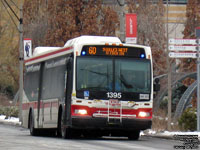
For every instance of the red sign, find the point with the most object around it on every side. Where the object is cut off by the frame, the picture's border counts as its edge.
(131, 28)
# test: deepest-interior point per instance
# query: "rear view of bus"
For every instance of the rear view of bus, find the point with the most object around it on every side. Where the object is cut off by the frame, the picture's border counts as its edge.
(112, 91)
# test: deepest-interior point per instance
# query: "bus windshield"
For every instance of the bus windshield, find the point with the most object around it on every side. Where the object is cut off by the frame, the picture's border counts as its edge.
(116, 74)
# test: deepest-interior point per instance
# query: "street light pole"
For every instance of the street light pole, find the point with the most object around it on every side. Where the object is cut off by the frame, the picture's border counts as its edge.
(197, 32)
(122, 26)
(198, 87)
(21, 62)
(169, 78)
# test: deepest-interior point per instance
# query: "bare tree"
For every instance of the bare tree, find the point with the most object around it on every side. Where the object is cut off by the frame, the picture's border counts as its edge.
(74, 18)
(35, 21)
(193, 21)
(8, 48)
(151, 30)
(52, 23)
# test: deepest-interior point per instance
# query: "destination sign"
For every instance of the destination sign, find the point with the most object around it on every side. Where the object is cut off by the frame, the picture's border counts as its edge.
(115, 51)
(106, 50)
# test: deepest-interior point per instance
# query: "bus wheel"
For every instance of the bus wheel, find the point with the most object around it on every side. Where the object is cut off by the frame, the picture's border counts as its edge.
(33, 131)
(134, 135)
(59, 128)
(65, 132)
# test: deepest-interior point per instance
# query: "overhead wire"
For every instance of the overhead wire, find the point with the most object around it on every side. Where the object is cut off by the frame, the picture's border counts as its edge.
(119, 3)
(15, 4)
(12, 10)
(9, 14)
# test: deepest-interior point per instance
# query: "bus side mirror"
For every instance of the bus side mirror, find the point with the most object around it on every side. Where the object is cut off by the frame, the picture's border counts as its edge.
(156, 85)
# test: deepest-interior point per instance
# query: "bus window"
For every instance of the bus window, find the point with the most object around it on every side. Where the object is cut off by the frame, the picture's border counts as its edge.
(94, 73)
(31, 83)
(132, 75)
(53, 80)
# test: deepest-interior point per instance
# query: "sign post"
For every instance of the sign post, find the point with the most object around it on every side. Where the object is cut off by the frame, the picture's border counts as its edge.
(190, 50)
(198, 78)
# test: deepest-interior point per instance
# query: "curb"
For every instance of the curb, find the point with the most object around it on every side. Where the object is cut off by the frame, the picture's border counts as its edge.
(168, 137)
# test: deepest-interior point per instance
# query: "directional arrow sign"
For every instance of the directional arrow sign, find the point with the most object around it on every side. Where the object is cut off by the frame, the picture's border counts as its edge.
(182, 48)
(182, 55)
(182, 41)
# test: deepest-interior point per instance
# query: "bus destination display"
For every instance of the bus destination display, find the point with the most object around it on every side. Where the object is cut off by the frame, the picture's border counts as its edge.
(103, 50)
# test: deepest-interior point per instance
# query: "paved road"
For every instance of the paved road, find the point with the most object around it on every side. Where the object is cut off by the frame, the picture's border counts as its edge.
(18, 138)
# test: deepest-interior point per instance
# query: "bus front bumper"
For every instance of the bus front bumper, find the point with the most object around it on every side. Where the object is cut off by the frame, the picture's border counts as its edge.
(105, 123)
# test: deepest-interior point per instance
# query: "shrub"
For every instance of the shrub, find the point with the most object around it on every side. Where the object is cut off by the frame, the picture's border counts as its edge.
(188, 120)
(11, 111)
(159, 122)
(9, 90)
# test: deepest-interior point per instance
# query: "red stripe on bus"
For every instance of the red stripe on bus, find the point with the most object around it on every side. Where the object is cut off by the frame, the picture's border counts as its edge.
(48, 54)
(28, 105)
(34, 105)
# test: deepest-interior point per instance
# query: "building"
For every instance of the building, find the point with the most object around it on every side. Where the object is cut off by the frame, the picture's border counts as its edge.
(176, 17)
(176, 14)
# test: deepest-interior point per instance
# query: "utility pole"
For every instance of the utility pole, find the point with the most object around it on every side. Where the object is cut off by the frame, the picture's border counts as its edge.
(122, 26)
(198, 87)
(169, 77)
(21, 62)
(197, 32)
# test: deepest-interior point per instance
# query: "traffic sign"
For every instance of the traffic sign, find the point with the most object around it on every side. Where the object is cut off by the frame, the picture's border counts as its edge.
(182, 55)
(182, 48)
(182, 41)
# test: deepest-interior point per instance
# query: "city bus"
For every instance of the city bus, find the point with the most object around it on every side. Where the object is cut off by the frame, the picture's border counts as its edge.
(92, 86)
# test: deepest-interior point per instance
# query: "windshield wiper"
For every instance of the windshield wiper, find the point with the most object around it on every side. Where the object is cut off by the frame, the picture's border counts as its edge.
(94, 88)
(125, 83)
(99, 73)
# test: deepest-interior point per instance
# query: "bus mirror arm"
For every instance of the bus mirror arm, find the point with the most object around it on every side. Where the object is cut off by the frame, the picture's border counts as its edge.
(156, 85)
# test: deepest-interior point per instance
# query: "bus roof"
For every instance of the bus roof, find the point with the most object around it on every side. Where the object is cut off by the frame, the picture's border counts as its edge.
(92, 39)
(42, 53)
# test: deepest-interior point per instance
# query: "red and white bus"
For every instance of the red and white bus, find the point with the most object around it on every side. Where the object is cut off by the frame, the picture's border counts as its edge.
(94, 85)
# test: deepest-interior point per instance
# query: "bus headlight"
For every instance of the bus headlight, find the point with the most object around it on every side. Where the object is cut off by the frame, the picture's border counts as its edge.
(80, 111)
(143, 114)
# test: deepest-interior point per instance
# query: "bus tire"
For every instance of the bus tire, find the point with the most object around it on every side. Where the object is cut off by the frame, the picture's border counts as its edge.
(134, 135)
(65, 132)
(33, 131)
(59, 128)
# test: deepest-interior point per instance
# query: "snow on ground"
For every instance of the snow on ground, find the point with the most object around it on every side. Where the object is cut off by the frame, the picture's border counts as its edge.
(9, 120)
(176, 135)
